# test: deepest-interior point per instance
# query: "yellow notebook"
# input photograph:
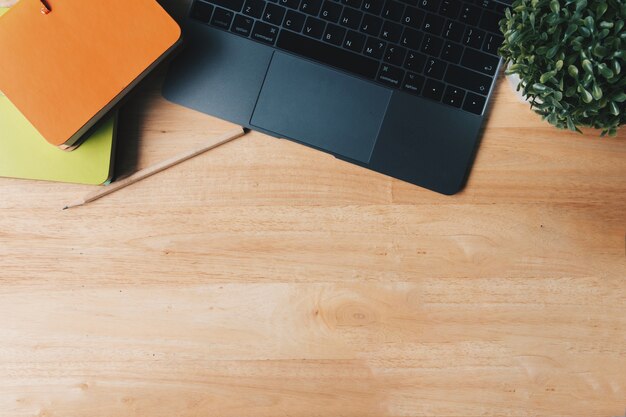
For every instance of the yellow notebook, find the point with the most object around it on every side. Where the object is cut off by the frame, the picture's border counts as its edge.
(24, 153)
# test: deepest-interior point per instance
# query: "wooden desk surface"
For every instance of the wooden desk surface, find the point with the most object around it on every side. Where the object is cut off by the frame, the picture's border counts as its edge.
(268, 279)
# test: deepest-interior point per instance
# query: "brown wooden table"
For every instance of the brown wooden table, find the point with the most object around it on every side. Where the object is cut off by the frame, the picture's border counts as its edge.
(267, 279)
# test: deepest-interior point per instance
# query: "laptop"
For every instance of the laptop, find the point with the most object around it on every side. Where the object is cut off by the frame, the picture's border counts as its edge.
(400, 87)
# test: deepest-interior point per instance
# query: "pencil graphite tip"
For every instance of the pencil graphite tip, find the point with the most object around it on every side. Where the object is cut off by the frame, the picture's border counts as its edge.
(74, 204)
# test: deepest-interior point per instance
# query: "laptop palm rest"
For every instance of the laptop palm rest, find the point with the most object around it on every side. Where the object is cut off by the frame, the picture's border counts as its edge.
(321, 107)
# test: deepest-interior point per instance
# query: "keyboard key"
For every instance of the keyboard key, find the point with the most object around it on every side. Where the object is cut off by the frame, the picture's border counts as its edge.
(311, 7)
(433, 89)
(453, 96)
(479, 61)
(413, 83)
(334, 34)
(490, 22)
(413, 17)
(395, 55)
(415, 61)
(331, 11)
(492, 43)
(391, 32)
(228, 4)
(450, 8)
(372, 6)
(374, 48)
(432, 45)
(274, 14)
(473, 37)
(409, 2)
(452, 52)
(354, 41)
(294, 21)
(202, 11)
(453, 31)
(264, 32)
(314, 27)
(470, 14)
(222, 18)
(435, 68)
(390, 76)
(486, 4)
(474, 103)
(351, 18)
(292, 4)
(411, 39)
(242, 25)
(353, 3)
(393, 10)
(254, 8)
(430, 5)
(468, 79)
(433, 24)
(371, 25)
(328, 54)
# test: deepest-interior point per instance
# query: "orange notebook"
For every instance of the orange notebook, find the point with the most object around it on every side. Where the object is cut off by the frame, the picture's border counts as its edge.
(66, 69)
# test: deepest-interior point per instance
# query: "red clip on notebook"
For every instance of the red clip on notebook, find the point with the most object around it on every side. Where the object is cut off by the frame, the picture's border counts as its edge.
(66, 69)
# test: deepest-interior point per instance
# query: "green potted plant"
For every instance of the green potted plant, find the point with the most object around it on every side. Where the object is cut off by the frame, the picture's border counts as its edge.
(569, 56)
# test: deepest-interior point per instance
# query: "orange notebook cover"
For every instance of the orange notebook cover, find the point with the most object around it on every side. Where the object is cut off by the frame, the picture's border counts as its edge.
(66, 69)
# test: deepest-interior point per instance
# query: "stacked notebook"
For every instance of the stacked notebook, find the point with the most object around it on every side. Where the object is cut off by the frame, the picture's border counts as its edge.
(64, 66)
(24, 153)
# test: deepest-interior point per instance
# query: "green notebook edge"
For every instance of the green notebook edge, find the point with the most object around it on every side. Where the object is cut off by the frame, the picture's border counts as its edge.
(25, 154)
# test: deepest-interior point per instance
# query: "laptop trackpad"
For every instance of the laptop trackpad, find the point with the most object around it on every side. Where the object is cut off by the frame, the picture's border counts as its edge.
(321, 107)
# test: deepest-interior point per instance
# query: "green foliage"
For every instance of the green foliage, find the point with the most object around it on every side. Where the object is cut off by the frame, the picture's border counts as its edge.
(569, 55)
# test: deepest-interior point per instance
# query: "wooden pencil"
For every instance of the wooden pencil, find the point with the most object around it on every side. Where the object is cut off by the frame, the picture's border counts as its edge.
(155, 169)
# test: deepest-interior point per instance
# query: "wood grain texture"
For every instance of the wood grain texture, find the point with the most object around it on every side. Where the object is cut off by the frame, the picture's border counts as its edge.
(267, 279)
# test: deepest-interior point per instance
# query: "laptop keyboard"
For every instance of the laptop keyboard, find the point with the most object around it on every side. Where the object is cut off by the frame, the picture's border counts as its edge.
(443, 50)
